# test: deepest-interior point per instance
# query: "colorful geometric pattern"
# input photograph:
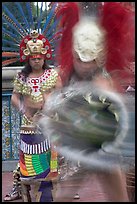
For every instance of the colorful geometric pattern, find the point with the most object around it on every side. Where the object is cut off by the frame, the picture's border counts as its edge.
(37, 157)
(33, 165)
(36, 86)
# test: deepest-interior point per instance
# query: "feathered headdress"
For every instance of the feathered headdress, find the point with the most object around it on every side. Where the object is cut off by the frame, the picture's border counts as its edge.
(115, 22)
(69, 16)
(118, 21)
(26, 32)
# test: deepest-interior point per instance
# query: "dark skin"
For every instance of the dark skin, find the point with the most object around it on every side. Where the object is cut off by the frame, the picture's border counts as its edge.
(30, 106)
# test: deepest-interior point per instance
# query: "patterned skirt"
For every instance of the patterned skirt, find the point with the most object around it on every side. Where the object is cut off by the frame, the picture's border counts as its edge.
(38, 160)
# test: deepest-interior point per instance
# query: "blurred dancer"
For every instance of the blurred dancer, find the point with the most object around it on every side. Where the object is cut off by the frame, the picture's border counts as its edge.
(95, 49)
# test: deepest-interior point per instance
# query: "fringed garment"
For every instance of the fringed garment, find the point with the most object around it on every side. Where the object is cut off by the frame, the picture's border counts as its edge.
(38, 160)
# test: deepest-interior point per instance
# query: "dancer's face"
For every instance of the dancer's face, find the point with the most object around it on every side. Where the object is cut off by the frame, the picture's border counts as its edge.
(84, 70)
(36, 63)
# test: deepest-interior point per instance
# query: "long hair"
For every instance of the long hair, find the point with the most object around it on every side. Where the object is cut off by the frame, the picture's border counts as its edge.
(28, 69)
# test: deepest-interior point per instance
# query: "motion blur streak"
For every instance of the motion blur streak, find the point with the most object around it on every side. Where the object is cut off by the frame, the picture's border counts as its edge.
(90, 125)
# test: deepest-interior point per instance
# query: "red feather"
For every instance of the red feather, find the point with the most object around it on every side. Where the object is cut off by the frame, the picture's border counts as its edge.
(118, 22)
(70, 16)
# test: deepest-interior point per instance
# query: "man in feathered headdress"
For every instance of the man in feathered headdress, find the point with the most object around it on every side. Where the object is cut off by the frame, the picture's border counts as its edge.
(97, 50)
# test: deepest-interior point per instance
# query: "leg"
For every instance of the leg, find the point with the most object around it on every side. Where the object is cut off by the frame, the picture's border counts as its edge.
(25, 193)
(114, 184)
(130, 181)
(43, 191)
(16, 188)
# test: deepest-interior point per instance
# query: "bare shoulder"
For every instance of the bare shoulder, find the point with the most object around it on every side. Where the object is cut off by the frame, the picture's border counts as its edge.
(104, 83)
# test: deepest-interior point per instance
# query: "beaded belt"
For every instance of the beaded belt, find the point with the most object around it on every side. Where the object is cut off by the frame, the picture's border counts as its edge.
(35, 148)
